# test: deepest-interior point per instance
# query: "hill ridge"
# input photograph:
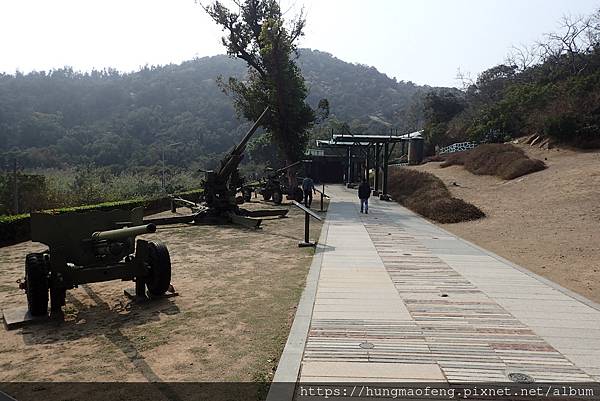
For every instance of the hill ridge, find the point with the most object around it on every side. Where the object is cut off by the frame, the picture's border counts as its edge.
(63, 117)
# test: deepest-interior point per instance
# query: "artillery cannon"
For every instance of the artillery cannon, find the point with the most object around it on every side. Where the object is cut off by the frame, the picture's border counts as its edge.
(90, 247)
(273, 186)
(220, 188)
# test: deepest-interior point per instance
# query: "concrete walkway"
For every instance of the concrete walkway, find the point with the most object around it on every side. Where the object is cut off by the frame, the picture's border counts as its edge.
(396, 298)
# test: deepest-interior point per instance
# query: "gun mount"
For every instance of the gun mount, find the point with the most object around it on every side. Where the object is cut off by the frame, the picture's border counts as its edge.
(89, 247)
(220, 188)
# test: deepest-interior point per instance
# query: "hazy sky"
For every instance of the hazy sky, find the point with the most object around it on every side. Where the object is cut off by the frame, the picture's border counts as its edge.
(424, 41)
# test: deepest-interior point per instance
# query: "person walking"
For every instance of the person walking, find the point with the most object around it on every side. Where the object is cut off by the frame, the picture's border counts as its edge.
(364, 192)
(308, 188)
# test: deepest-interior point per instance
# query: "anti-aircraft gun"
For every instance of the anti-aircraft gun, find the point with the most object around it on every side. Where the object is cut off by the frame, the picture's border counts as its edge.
(90, 247)
(220, 188)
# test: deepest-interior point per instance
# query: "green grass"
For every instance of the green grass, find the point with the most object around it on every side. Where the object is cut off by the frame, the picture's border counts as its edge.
(13, 217)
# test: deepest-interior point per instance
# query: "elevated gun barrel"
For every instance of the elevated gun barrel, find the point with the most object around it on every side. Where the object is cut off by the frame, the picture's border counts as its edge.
(242, 145)
(230, 163)
(123, 233)
(281, 170)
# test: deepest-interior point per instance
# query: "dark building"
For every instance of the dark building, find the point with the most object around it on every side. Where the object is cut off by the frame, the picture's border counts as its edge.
(347, 158)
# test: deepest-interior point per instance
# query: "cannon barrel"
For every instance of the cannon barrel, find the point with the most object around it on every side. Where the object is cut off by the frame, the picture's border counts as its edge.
(281, 170)
(242, 145)
(123, 233)
(231, 161)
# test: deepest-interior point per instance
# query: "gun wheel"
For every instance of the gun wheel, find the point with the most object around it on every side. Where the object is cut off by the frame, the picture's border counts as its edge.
(36, 277)
(277, 197)
(247, 194)
(159, 261)
(298, 195)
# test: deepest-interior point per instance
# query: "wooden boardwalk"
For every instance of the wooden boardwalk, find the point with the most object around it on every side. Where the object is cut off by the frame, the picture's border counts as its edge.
(399, 299)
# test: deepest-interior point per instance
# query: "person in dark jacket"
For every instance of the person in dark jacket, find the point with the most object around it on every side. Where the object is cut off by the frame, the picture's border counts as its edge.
(364, 192)
(308, 187)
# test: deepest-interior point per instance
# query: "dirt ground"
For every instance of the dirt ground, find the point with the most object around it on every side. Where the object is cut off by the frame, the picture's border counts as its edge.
(238, 292)
(547, 222)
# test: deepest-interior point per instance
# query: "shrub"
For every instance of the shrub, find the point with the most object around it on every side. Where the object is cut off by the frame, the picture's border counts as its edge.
(582, 131)
(561, 127)
(502, 160)
(427, 195)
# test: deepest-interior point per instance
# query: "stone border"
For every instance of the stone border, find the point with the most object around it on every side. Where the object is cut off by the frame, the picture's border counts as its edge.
(542, 279)
(524, 270)
(288, 368)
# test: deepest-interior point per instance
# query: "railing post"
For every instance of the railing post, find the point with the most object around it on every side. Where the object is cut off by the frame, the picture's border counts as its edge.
(322, 196)
(307, 214)
(377, 152)
(385, 168)
(306, 227)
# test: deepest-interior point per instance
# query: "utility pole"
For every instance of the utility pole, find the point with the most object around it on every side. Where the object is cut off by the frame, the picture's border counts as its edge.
(163, 182)
(16, 188)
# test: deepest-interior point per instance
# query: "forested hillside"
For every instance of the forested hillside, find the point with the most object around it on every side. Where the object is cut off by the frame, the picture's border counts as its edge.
(66, 118)
(550, 89)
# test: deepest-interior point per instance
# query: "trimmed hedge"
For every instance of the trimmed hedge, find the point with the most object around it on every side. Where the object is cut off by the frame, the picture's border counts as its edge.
(16, 228)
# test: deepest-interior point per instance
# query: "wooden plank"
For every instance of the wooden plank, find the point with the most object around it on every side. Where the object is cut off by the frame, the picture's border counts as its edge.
(20, 316)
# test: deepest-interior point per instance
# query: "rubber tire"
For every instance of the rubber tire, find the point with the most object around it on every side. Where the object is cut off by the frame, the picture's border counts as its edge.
(36, 277)
(247, 195)
(159, 261)
(298, 195)
(277, 197)
(266, 195)
(57, 299)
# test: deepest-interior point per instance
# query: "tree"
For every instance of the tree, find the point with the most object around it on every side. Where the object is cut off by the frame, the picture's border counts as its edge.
(322, 111)
(492, 82)
(440, 107)
(579, 36)
(257, 35)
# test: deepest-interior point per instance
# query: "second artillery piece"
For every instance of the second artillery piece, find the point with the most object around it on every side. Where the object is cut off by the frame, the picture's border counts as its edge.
(220, 188)
(273, 186)
(91, 247)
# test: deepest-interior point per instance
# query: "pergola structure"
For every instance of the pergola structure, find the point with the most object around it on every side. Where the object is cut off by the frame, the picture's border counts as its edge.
(378, 148)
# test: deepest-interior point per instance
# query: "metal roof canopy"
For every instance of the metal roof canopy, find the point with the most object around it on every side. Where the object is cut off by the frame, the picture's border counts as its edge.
(332, 143)
(350, 138)
(343, 140)
(381, 144)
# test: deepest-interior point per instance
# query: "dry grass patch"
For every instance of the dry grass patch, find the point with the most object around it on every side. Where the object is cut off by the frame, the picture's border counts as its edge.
(427, 195)
(502, 160)
(238, 294)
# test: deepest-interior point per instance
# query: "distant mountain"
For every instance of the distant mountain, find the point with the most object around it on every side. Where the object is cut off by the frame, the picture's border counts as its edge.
(108, 118)
(359, 92)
